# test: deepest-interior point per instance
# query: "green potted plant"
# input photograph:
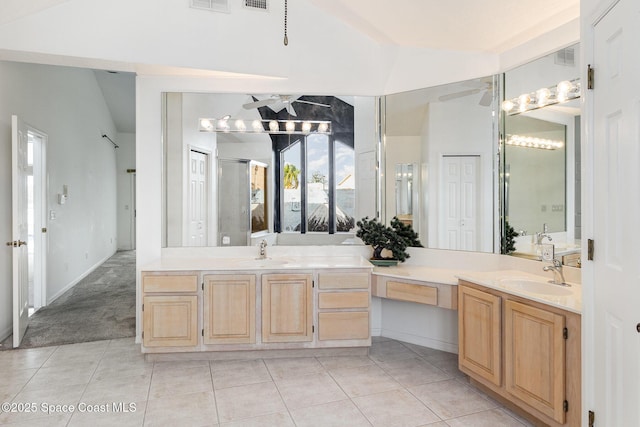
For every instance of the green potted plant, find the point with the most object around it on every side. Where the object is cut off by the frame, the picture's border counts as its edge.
(508, 240)
(394, 238)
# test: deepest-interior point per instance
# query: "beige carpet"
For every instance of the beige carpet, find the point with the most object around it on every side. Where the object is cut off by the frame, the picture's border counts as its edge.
(101, 306)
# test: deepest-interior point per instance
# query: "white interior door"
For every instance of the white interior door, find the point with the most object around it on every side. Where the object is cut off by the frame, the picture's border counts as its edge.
(460, 202)
(198, 198)
(20, 228)
(614, 345)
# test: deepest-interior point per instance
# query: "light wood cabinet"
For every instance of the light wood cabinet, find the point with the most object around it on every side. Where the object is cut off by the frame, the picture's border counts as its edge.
(535, 358)
(343, 308)
(287, 308)
(418, 291)
(229, 309)
(525, 352)
(170, 310)
(479, 331)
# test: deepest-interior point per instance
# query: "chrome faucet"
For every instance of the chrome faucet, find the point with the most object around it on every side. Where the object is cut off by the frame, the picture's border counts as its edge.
(540, 235)
(263, 249)
(558, 276)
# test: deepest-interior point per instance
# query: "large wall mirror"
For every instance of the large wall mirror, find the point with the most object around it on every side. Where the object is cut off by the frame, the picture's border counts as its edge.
(240, 168)
(541, 161)
(440, 144)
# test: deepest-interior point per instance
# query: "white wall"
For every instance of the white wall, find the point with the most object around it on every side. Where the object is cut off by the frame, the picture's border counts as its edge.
(460, 127)
(126, 159)
(68, 106)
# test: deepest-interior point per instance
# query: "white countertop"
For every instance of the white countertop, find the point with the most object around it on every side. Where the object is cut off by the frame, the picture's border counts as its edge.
(424, 274)
(271, 263)
(494, 280)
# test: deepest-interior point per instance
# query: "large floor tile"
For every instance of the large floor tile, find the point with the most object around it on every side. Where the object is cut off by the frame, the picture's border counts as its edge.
(414, 371)
(309, 390)
(117, 389)
(490, 418)
(45, 400)
(335, 414)
(331, 363)
(364, 380)
(66, 375)
(195, 409)
(180, 381)
(24, 359)
(248, 401)
(292, 367)
(280, 419)
(386, 351)
(233, 373)
(395, 408)
(451, 399)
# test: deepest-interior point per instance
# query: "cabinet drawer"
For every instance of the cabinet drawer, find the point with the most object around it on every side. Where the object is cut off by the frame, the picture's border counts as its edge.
(343, 300)
(353, 325)
(343, 280)
(170, 283)
(410, 292)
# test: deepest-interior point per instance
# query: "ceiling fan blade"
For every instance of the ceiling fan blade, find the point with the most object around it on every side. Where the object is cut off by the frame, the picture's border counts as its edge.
(258, 104)
(456, 95)
(313, 103)
(486, 99)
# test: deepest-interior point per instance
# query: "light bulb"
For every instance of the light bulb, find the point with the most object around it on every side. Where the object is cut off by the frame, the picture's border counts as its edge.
(564, 87)
(240, 125)
(273, 126)
(257, 126)
(290, 126)
(306, 127)
(223, 124)
(507, 105)
(206, 124)
(543, 96)
(323, 127)
(523, 101)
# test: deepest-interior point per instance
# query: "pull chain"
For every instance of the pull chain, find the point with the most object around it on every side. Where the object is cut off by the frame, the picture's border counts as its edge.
(286, 39)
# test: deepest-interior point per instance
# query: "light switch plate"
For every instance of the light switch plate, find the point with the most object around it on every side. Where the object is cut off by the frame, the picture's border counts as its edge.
(547, 252)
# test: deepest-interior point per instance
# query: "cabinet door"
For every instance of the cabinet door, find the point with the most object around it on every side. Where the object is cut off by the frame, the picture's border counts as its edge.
(170, 321)
(230, 309)
(479, 330)
(534, 358)
(287, 307)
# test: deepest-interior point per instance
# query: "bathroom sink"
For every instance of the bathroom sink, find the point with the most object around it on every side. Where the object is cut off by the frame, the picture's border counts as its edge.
(266, 262)
(536, 287)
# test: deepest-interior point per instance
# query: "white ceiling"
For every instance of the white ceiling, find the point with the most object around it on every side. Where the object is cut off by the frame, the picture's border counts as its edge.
(492, 26)
(465, 25)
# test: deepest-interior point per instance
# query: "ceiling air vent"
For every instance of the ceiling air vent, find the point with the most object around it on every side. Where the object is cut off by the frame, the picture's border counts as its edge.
(257, 4)
(566, 57)
(212, 5)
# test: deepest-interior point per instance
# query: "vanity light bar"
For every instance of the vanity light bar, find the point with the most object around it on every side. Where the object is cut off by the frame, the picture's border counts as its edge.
(531, 142)
(564, 91)
(277, 127)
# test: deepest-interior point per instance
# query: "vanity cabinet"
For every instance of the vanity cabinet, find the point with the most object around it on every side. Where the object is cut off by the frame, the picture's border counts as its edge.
(343, 306)
(479, 334)
(170, 310)
(526, 352)
(410, 290)
(229, 309)
(287, 308)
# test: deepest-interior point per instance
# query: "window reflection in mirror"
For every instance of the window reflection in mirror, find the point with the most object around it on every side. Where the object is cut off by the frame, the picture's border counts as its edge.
(448, 133)
(303, 190)
(541, 162)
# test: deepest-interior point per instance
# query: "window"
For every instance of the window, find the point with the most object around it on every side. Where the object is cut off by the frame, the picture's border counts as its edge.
(317, 185)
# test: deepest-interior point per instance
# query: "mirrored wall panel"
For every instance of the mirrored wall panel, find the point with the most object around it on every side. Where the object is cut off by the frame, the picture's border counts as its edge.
(541, 162)
(439, 148)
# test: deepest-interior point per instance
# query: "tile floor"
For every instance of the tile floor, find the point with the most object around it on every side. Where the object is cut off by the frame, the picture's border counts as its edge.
(109, 383)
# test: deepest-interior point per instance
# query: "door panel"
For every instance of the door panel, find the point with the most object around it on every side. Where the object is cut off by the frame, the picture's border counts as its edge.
(612, 332)
(20, 229)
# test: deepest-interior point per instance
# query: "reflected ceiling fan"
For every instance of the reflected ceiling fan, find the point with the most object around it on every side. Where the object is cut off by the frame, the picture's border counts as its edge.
(485, 85)
(279, 102)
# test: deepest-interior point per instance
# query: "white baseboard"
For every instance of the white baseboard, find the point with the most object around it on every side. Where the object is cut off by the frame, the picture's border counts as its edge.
(419, 340)
(375, 332)
(79, 278)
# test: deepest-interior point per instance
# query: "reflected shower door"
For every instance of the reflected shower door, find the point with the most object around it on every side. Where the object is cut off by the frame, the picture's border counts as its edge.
(233, 203)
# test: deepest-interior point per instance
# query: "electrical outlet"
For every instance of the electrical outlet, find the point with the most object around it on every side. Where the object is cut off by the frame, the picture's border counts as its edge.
(547, 251)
